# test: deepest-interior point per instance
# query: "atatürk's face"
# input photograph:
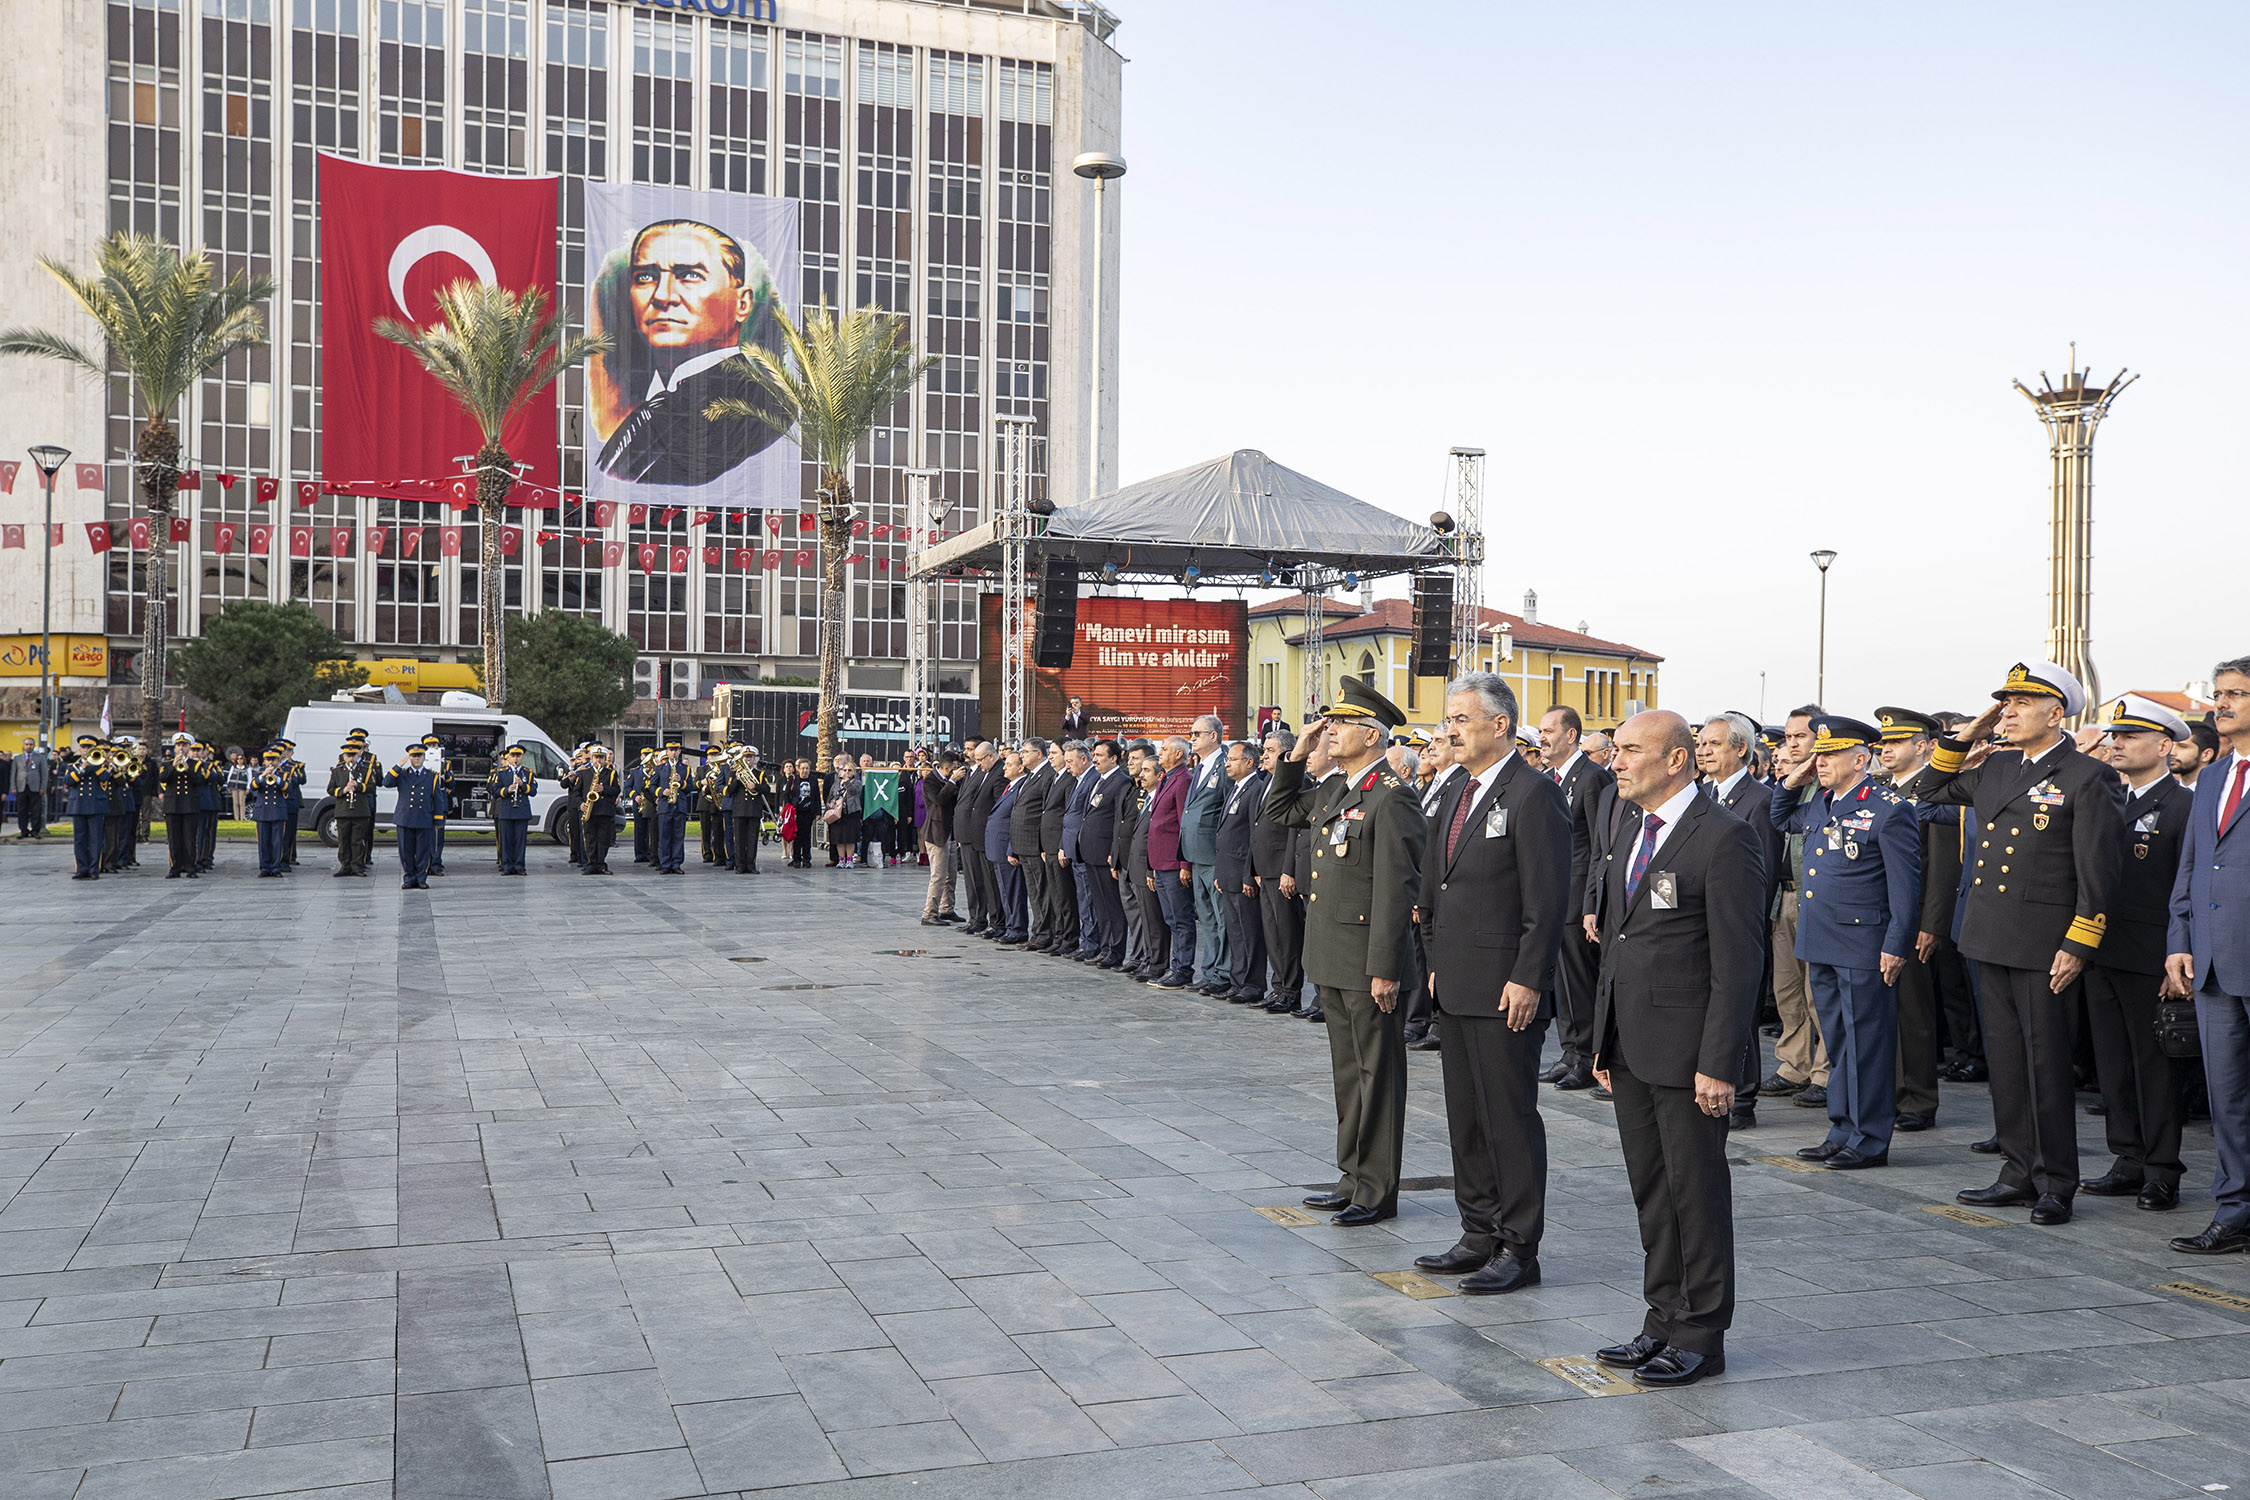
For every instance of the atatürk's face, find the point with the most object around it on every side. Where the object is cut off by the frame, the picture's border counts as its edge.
(685, 300)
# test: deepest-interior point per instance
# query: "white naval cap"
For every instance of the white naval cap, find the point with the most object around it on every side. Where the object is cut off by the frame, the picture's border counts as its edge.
(2044, 677)
(2133, 714)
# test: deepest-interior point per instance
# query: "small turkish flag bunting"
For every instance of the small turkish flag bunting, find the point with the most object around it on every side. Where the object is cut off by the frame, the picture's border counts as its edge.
(308, 493)
(605, 511)
(378, 537)
(97, 535)
(340, 541)
(636, 515)
(772, 559)
(462, 491)
(300, 541)
(745, 558)
(710, 557)
(511, 538)
(226, 481)
(8, 467)
(89, 476)
(261, 541)
(11, 536)
(55, 535)
(613, 553)
(702, 518)
(803, 557)
(191, 479)
(266, 490)
(136, 534)
(181, 530)
(410, 541)
(680, 559)
(449, 541)
(647, 555)
(222, 538)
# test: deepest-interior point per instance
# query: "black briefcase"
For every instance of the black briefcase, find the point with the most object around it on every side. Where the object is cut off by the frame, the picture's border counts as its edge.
(2176, 1031)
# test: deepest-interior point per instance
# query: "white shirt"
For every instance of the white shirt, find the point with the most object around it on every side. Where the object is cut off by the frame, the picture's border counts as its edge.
(1482, 782)
(1671, 812)
(2060, 741)
(1442, 780)
(658, 385)
(1203, 772)
(1723, 789)
(1560, 774)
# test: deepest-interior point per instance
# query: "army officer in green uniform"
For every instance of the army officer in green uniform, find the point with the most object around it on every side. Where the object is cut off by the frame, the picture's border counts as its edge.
(1367, 833)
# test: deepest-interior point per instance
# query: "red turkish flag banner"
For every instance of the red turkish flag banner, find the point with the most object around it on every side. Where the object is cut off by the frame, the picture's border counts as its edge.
(97, 535)
(544, 537)
(11, 536)
(181, 530)
(511, 538)
(55, 534)
(378, 537)
(646, 555)
(605, 511)
(340, 541)
(89, 476)
(773, 521)
(226, 481)
(261, 541)
(222, 538)
(449, 541)
(136, 533)
(680, 559)
(191, 479)
(410, 541)
(702, 518)
(745, 558)
(772, 559)
(671, 514)
(300, 541)
(462, 492)
(711, 557)
(390, 238)
(265, 491)
(308, 493)
(636, 515)
(8, 467)
(803, 557)
(613, 553)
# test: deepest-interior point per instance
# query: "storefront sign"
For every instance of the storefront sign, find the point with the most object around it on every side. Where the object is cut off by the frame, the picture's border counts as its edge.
(75, 656)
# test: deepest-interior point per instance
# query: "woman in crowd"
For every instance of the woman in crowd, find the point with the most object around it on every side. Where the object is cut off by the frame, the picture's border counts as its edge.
(843, 802)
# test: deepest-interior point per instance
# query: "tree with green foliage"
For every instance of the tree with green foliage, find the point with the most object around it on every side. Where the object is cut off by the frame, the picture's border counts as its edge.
(168, 321)
(254, 663)
(567, 674)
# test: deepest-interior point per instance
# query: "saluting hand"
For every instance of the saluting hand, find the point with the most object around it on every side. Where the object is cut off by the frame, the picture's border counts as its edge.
(1980, 728)
(1315, 733)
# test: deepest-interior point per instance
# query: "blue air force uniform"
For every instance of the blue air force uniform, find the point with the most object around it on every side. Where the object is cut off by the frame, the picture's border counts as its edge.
(1862, 900)
(421, 802)
(270, 796)
(512, 788)
(86, 804)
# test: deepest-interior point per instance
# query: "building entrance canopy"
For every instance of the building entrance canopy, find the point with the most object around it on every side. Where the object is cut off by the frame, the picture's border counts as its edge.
(1238, 519)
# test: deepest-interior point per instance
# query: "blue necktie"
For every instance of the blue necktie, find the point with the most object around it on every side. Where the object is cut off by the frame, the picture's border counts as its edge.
(1649, 825)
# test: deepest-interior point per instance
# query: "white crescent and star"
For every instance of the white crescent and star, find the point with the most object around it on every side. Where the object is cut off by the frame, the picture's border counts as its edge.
(437, 239)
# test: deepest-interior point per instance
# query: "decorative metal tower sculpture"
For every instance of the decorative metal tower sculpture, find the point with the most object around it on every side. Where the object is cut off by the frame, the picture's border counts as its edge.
(2070, 413)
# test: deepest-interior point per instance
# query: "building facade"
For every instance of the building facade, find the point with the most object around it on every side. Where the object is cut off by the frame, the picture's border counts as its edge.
(1605, 681)
(929, 143)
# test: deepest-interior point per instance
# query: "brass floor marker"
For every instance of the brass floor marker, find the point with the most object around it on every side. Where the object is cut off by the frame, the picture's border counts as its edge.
(2211, 1294)
(1964, 1216)
(1414, 1284)
(1790, 1163)
(1288, 1218)
(1589, 1375)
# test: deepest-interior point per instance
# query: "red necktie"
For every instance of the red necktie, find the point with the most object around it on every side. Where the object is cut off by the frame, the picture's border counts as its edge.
(1557, 775)
(1460, 817)
(2234, 795)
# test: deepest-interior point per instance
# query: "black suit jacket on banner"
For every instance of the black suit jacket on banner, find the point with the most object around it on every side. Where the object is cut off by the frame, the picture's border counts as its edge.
(1680, 985)
(1496, 912)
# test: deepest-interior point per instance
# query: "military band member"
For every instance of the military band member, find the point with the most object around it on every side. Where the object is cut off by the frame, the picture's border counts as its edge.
(293, 771)
(179, 787)
(673, 788)
(2046, 844)
(1856, 921)
(750, 790)
(436, 761)
(208, 799)
(711, 817)
(573, 826)
(86, 804)
(1367, 833)
(421, 795)
(512, 787)
(124, 808)
(643, 810)
(352, 784)
(2125, 980)
(596, 790)
(270, 788)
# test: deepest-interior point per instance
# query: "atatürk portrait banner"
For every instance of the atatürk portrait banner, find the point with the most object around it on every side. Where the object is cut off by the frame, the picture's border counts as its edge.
(681, 281)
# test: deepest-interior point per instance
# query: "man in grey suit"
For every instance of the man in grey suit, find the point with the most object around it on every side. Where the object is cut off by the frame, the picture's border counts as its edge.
(1199, 846)
(32, 774)
(2209, 939)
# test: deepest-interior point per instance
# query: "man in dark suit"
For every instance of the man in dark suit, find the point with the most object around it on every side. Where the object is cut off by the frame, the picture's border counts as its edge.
(969, 810)
(2048, 837)
(1495, 902)
(2125, 982)
(1152, 940)
(1237, 880)
(1281, 906)
(1029, 810)
(1064, 766)
(2209, 938)
(1078, 765)
(1906, 737)
(1681, 941)
(1581, 782)
(1199, 829)
(1097, 855)
(1075, 721)
(1722, 754)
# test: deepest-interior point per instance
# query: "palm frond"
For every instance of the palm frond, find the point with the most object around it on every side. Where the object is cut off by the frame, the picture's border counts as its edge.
(840, 378)
(41, 344)
(492, 349)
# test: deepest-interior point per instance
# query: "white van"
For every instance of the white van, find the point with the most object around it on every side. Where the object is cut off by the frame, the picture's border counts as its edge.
(471, 738)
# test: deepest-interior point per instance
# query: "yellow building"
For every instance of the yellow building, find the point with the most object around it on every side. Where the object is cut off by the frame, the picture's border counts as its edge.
(1603, 680)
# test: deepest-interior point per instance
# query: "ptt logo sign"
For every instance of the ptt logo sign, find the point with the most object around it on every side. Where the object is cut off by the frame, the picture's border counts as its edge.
(75, 656)
(745, 10)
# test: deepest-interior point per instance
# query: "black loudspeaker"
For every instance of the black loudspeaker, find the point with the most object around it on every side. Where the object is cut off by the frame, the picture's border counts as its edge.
(1057, 637)
(1431, 654)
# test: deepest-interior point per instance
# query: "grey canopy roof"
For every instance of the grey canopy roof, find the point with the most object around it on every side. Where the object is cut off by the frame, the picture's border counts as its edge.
(1233, 517)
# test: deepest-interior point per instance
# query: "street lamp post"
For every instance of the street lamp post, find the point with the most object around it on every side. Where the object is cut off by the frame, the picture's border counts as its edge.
(1821, 560)
(49, 458)
(1101, 167)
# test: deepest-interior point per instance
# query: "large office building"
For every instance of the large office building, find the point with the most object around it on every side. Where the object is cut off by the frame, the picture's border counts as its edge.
(928, 142)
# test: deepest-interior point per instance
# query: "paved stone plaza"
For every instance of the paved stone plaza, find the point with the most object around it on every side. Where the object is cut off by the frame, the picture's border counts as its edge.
(645, 1188)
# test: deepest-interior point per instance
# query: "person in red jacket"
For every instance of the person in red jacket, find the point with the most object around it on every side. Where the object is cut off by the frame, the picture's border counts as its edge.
(1168, 871)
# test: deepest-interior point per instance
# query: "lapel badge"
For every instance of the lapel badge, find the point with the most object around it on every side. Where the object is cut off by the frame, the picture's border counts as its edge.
(2039, 820)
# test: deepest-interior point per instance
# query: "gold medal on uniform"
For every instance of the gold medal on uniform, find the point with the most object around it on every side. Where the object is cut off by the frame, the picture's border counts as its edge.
(2140, 851)
(2039, 820)
(1851, 849)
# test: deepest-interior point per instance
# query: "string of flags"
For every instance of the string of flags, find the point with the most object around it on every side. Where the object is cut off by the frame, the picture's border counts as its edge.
(409, 542)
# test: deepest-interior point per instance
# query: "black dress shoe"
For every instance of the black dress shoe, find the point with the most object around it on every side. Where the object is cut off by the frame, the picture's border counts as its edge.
(931, 922)
(1215, 991)
(1458, 1261)
(1989, 1146)
(1972, 1072)
(1549, 1075)
(2216, 1240)
(1428, 1043)
(1742, 1119)
(1315, 1014)
(1679, 1367)
(1812, 1096)
(1821, 1152)
(1920, 1119)
(1328, 1203)
(1999, 1195)
(1600, 1095)
(1576, 1078)
(1247, 997)
(2157, 1197)
(1281, 1005)
(1848, 1160)
(1358, 1216)
(2050, 1209)
(1172, 981)
(1110, 963)
(1507, 1273)
(1775, 1085)
(2110, 1185)
(1631, 1356)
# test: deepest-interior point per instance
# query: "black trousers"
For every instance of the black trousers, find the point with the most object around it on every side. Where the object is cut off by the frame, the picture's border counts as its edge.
(1156, 933)
(2138, 1086)
(2028, 1033)
(1367, 1057)
(1283, 918)
(355, 843)
(207, 837)
(1676, 1160)
(576, 829)
(1246, 944)
(644, 838)
(800, 847)
(979, 911)
(1414, 997)
(180, 830)
(601, 832)
(1034, 872)
(1109, 909)
(1957, 1001)
(1576, 966)
(744, 843)
(1499, 1139)
(1062, 901)
(1916, 1072)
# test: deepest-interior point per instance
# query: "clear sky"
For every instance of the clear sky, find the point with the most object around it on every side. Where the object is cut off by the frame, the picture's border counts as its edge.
(1717, 284)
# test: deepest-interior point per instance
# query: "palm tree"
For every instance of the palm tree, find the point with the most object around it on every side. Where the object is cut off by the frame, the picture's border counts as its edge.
(168, 322)
(492, 350)
(842, 377)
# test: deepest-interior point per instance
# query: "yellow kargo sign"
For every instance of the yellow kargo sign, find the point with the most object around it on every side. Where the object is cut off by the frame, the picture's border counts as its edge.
(75, 656)
(410, 676)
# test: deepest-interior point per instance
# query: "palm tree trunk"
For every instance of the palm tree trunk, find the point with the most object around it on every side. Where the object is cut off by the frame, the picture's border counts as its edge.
(835, 536)
(158, 455)
(495, 477)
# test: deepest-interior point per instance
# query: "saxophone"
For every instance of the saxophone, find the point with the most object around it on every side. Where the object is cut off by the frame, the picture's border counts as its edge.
(593, 795)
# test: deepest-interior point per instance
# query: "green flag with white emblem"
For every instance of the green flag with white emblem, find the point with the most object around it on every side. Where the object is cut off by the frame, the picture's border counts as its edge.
(879, 793)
